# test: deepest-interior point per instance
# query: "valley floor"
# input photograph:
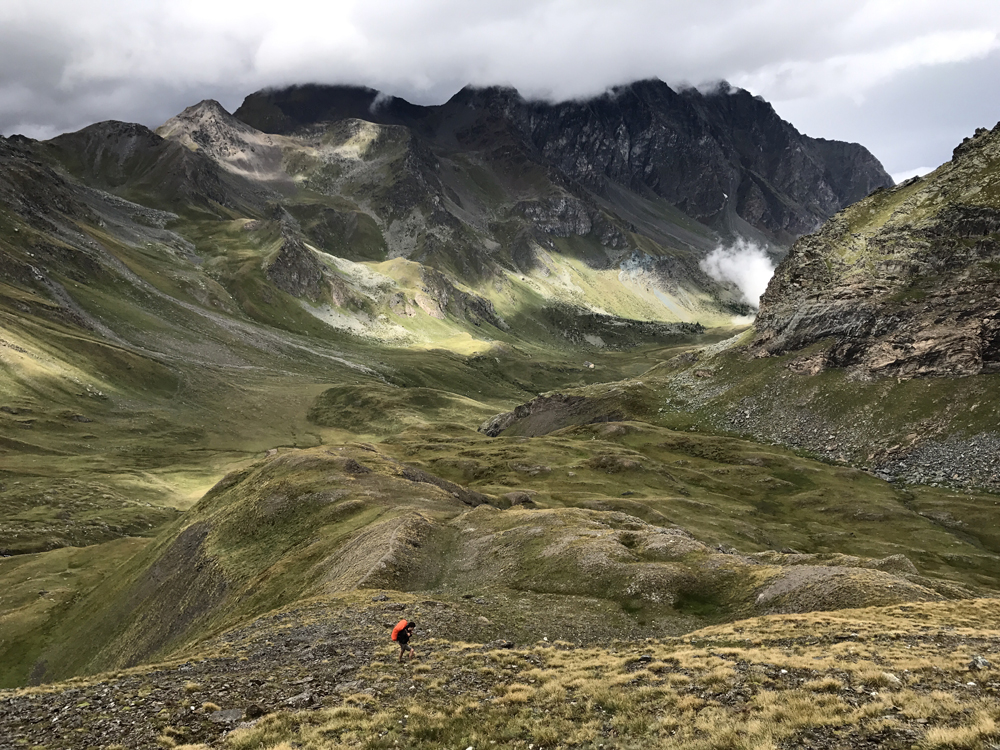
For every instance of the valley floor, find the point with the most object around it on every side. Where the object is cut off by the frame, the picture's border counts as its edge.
(571, 589)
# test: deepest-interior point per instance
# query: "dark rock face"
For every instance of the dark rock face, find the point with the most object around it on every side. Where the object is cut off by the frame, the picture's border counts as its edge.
(716, 155)
(286, 110)
(544, 414)
(477, 309)
(903, 283)
(295, 270)
(562, 216)
(722, 157)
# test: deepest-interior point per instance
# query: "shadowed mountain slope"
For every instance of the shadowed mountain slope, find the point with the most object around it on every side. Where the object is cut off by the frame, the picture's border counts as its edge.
(722, 157)
(135, 162)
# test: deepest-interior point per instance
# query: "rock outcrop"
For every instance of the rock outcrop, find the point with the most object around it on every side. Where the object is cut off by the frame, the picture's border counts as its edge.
(295, 270)
(208, 128)
(902, 283)
(443, 295)
(543, 414)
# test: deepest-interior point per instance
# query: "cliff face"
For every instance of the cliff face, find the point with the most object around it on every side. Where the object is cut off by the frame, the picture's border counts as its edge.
(723, 157)
(902, 283)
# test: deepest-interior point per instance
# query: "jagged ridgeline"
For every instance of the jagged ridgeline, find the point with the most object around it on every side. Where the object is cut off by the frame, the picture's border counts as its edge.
(333, 210)
(723, 157)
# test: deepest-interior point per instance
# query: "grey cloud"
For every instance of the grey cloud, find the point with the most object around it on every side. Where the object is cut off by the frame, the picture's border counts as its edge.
(898, 76)
(913, 121)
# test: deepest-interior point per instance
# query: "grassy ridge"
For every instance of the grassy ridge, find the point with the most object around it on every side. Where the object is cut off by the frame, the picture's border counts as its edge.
(40, 589)
(672, 529)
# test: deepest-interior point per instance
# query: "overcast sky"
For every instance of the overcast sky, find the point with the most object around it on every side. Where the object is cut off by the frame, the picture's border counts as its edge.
(906, 78)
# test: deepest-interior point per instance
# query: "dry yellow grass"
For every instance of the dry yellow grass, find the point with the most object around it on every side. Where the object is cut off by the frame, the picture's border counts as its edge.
(981, 727)
(861, 674)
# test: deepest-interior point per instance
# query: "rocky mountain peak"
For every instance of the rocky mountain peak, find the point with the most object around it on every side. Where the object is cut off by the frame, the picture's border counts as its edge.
(205, 124)
(287, 110)
(237, 147)
(487, 97)
(723, 157)
(649, 89)
(113, 130)
(111, 149)
(204, 107)
(983, 139)
(295, 270)
(902, 283)
(205, 112)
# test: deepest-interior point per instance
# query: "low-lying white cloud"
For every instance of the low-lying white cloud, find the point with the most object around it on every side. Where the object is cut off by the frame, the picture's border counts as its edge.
(744, 264)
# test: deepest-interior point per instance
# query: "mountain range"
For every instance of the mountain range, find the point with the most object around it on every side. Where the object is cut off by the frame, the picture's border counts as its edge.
(723, 157)
(487, 190)
(271, 380)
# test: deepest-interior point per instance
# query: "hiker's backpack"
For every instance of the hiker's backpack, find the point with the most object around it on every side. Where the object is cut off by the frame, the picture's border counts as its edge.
(400, 627)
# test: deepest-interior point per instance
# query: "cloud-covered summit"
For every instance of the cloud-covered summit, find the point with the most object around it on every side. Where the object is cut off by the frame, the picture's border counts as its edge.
(832, 68)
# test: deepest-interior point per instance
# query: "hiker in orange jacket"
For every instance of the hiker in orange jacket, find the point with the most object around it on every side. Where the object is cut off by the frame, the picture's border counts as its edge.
(402, 634)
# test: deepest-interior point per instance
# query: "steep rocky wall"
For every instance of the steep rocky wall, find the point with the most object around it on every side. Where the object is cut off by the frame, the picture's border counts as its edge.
(710, 154)
(719, 156)
(904, 282)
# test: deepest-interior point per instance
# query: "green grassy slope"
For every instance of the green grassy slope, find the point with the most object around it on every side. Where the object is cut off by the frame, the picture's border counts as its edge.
(670, 530)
